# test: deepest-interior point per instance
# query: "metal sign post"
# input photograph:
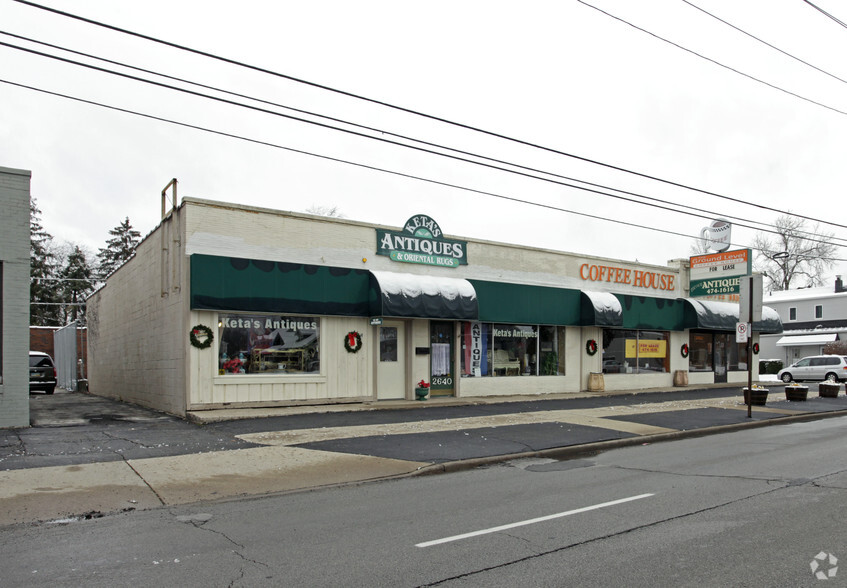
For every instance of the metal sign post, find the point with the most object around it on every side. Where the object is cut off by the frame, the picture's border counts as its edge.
(750, 311)
(750, 355)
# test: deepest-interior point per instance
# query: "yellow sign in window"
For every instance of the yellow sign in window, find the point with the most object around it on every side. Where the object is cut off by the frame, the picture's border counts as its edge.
(646, 348)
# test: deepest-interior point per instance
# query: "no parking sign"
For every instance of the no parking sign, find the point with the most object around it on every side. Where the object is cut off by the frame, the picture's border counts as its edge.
(741, 331)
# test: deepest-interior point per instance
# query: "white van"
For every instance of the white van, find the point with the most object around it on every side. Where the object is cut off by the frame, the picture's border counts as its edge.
(832, 368)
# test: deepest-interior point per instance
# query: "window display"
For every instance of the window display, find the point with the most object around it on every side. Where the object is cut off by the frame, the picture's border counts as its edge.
(700, 359)
(716, 352)
(268, 344)
(551, 351)
(512, 350)
(635, 352)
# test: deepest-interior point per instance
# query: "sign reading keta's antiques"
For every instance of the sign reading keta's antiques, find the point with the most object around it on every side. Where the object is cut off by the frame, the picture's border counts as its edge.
(421, 241)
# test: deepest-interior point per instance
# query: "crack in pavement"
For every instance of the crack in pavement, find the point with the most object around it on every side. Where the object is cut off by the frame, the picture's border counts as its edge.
(140, 477)
(133, 441)
(696, 475)
(787, 482)
(200, 523)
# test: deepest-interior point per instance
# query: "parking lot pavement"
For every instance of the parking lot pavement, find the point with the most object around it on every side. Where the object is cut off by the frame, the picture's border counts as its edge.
(70, 428)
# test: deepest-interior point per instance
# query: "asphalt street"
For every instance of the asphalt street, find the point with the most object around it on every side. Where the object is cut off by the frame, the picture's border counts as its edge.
(85, 454)
(752, 508)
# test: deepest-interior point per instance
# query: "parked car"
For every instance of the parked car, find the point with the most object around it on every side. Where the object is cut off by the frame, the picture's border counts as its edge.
(42, 372)
(832, 368)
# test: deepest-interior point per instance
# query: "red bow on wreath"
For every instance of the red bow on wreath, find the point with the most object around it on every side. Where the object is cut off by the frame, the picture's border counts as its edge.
(353, 341)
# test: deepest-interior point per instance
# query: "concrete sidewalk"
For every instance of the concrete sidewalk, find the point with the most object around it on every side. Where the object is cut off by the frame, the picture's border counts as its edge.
(87, 456)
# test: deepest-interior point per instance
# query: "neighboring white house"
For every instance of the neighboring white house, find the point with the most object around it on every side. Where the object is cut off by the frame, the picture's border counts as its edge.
(14, 298)
(811, 318)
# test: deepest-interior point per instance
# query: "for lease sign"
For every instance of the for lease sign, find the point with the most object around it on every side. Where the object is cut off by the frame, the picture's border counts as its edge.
(719, 273)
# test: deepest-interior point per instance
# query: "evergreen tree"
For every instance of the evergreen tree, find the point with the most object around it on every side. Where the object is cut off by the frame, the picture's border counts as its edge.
(43, 288)
(76, 282)
(118, 249)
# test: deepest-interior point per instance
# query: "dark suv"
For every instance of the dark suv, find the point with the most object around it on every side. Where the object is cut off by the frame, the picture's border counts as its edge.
(42, 372)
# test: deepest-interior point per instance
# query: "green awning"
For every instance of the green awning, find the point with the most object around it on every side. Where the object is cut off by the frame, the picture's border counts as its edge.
(524, 304)
(724, 316)
(600, 309)
(422, 296)
(645, 312)
(252, 285)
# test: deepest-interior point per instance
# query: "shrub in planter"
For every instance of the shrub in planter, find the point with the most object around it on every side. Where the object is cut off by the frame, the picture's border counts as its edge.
(796, 393)
(758, 396)
(829, 389)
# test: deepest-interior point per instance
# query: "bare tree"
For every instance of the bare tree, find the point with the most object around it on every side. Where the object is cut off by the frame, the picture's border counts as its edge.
(699, 246)
(319, 210)
(835, 348)
(794, 254)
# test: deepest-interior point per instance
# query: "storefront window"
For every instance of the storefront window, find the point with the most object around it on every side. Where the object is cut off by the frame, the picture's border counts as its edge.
(551, 351)
(388, 344)
(615, 349)
(512, 350)
(700, 354)
(268, 344)
(653, 351)
(633, 352)
(716, 352)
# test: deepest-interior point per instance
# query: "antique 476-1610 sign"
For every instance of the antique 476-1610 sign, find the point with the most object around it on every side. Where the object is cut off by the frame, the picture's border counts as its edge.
(421, 241)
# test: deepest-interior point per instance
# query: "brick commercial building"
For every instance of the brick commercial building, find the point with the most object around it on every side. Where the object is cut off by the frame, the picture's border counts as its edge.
(225, 305)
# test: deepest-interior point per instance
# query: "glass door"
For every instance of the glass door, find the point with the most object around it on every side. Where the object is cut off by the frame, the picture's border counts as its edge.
(722, 341)
(391, 368)
(441, 358)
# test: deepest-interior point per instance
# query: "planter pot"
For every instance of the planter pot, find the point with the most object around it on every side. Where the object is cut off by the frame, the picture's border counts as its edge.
(758, 397)
(596, 382)
(796, 393)
(421, 393)
(828, 389)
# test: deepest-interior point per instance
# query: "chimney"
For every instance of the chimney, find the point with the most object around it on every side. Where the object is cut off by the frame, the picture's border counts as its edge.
(839, 287)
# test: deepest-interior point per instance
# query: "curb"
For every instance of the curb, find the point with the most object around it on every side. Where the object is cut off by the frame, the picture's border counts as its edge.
(574, 451)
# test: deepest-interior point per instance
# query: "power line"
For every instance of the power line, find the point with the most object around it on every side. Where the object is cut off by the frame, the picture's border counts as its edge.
(709, 59)
(706, 213)
(774, 47)
(825, 13)
(415, 112)
(359, 165)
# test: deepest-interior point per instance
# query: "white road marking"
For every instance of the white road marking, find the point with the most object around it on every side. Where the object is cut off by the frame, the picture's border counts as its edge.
(531, 521)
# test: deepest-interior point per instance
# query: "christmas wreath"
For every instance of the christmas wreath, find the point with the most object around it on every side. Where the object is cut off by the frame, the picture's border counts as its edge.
(684, 350)
(352, 341)
(201, 336)
(756, 348)
(591, 347)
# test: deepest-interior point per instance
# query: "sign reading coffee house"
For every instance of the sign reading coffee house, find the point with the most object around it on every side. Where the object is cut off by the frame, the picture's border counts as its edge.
(421, 241)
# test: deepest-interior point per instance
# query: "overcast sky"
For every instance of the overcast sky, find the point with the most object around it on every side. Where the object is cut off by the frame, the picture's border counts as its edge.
(558, 74)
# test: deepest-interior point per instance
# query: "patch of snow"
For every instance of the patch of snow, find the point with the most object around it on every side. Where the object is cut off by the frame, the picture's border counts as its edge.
(604, 302)
(412, 285)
